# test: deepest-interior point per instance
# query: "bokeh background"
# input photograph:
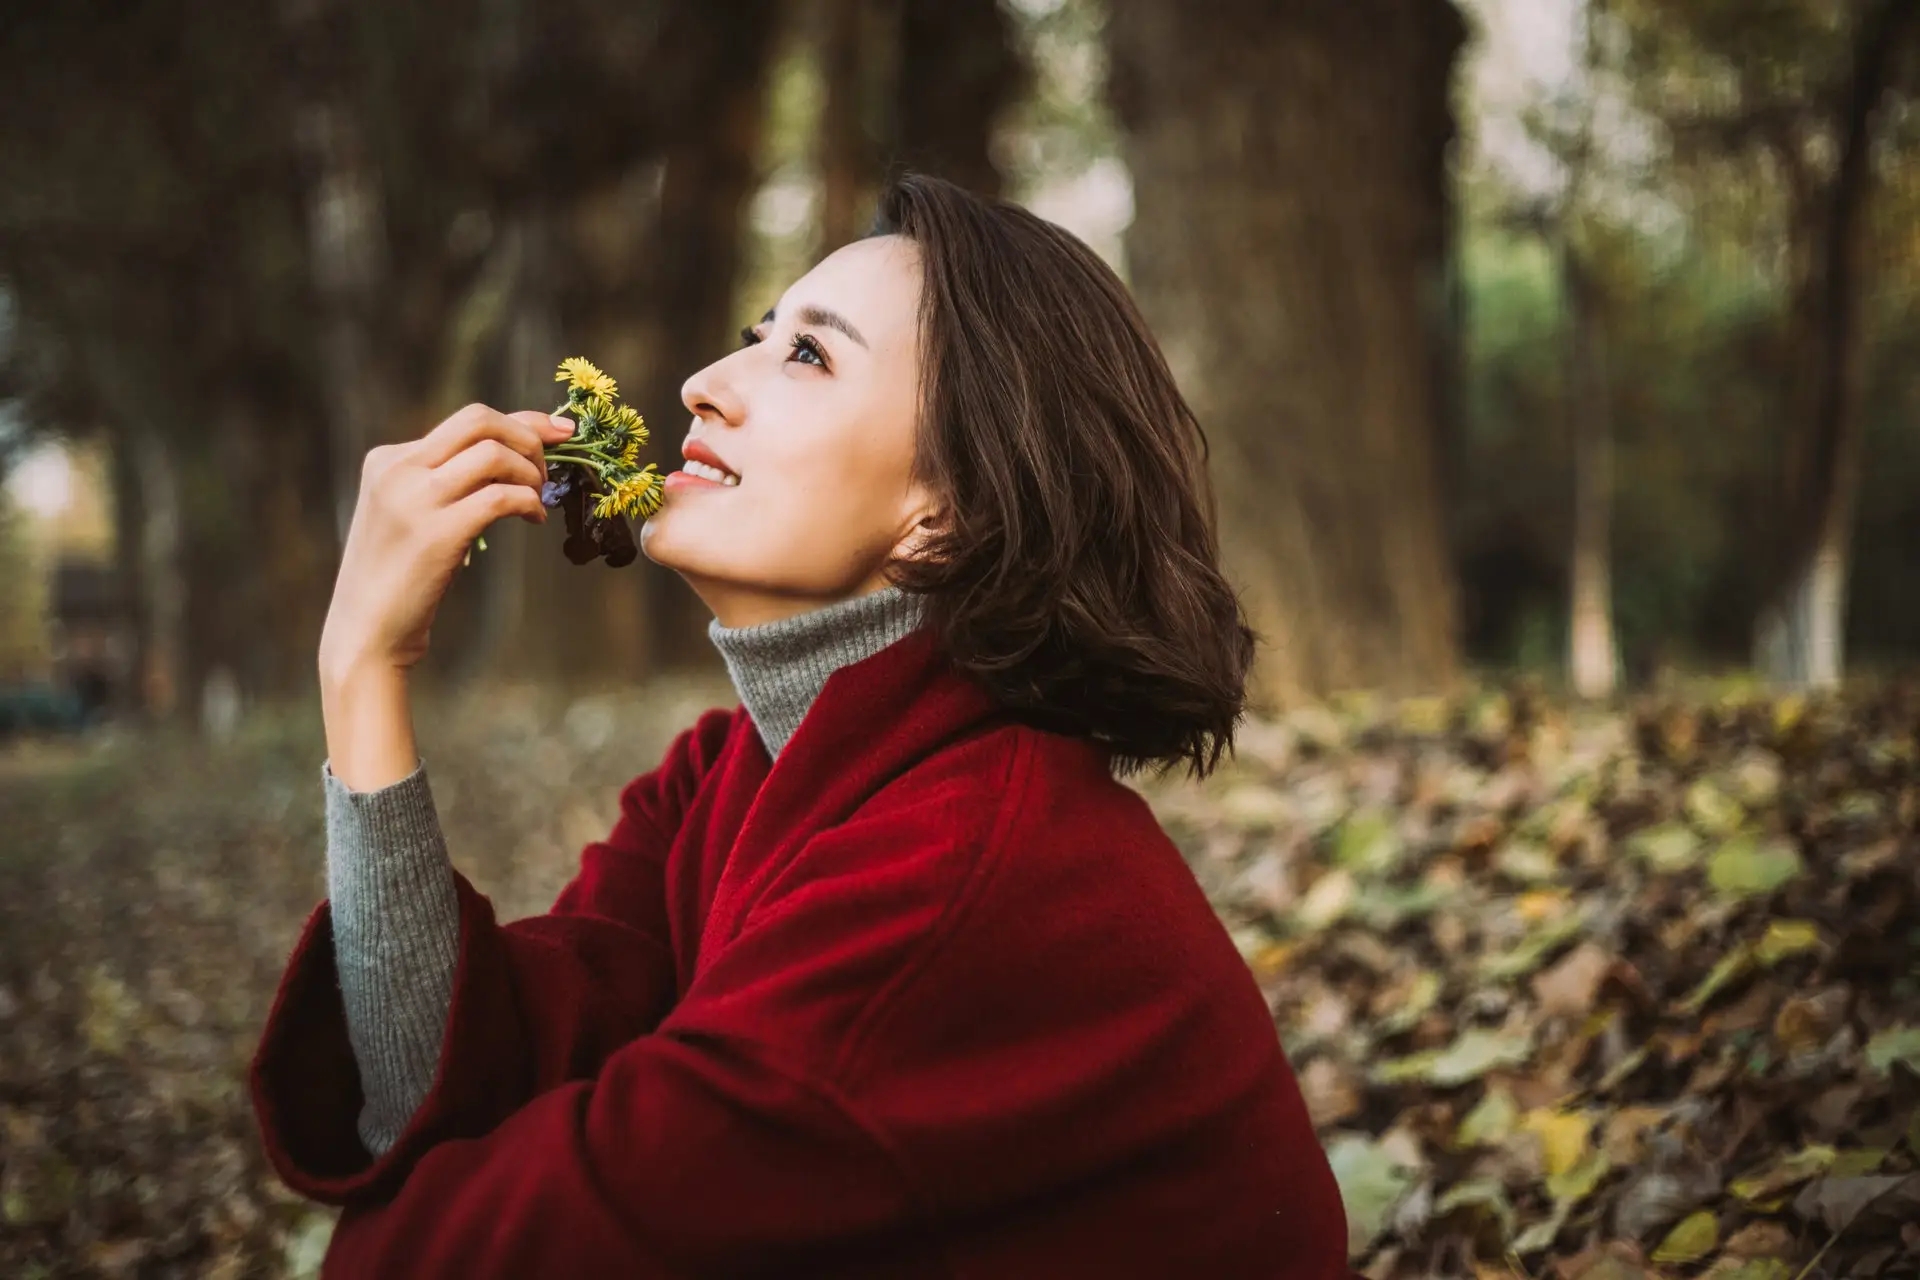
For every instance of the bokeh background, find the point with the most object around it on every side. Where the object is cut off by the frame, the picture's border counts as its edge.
(1560, 361)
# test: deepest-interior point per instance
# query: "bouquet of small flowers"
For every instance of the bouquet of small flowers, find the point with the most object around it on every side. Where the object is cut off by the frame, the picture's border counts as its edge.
(594, 475)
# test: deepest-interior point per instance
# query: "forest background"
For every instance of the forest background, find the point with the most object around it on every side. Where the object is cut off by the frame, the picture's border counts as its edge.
(1561, 365)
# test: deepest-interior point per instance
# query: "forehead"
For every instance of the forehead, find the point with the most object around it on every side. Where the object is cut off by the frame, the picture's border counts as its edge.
(875, 283)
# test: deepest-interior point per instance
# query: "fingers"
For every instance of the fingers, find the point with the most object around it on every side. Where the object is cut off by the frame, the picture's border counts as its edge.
(520, 432)
(484, 505)
(486, 461)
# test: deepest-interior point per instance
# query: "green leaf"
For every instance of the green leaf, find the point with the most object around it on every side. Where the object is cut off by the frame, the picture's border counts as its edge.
(1577, 1183)
(1727, 970)
(1490, 1123)
(1368, 844)
(1473, 1053)
(1713, 810)
(1383, 907)
(1533, 950)
(1696, 1236)
(1526, 862)
(1372, 1182)
(1859, 1161)
(1899, 1044)
(1746, 867)
(1786, 938)
(1669, 847)
(1783, 1174)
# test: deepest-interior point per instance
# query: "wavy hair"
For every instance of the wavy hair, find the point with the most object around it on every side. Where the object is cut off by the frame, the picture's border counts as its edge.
(1077, 575)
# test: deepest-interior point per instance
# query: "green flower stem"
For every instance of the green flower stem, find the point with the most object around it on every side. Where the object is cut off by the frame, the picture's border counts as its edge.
(600, 462)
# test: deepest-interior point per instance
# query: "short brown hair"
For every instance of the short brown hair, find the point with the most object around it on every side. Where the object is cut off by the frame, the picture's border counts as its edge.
(1078, 574)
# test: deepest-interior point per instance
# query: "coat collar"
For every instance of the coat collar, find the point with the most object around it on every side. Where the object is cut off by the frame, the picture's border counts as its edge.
(873, 720)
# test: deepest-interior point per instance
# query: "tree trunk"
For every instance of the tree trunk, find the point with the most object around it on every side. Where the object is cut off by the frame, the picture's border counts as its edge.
(1289, 245)
(686, 304)
(347, 245)
(1591, 658)
(1799, 639)
(856, 61)
(163, 603)
(957, 70)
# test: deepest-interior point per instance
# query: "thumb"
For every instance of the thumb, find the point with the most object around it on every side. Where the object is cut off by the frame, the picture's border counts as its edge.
(550, 426)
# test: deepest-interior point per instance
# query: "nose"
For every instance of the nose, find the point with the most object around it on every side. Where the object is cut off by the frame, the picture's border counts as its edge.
(710, 394)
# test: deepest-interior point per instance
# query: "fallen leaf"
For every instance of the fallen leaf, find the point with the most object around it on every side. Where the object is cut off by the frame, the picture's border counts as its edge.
(1577, 1183)
(1410, 1003)
(1785, 938)
(1570, 985)
(1368, 844)
(1330, 1091)
(1730, 968)
(1329, 898)
(1782, 1174)
(1372, 1183)
(1747, 867)
(1894, 1045)
(1693, 1238)
(1473, 1053)
(1490, 1123)
(1565, 1137)
(1713, 810)
(1670, 847)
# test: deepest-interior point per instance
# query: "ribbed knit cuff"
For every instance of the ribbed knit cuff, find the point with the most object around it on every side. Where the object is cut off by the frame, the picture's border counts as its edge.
(396, 937)
(778, 668)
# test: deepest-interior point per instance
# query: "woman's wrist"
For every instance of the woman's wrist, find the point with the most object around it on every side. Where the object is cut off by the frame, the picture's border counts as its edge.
(369, 724)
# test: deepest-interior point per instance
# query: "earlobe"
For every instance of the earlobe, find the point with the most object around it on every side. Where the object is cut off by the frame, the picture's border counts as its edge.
(924, 530)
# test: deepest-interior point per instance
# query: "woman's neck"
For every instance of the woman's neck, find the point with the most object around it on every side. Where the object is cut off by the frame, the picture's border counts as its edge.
(779, 667)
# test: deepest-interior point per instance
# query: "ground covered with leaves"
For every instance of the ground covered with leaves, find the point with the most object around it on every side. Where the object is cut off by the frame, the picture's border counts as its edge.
(1596, 995)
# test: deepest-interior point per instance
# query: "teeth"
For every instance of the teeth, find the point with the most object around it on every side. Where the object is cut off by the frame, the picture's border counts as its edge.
(706, 472)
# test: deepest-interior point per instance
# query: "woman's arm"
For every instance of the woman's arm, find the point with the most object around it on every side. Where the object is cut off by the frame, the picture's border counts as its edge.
(396, 934)
(396, 920)
(531, 1004)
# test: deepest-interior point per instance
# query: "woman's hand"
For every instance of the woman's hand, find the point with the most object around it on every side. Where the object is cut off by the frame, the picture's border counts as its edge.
(421, 505)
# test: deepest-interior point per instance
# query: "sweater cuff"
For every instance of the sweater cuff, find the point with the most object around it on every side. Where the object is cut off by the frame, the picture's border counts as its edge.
(396, 931)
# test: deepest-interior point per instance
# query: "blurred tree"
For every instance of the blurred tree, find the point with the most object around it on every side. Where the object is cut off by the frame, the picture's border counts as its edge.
(1799, 86)
(1290, 244)
(910, 84)
(1570, 225)
(149, 234)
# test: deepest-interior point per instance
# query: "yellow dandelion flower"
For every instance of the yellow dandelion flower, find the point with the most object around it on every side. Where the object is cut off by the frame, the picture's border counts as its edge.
(580, 373)
(629, 417)
(635, 495)
(630, 456)
(596, 407)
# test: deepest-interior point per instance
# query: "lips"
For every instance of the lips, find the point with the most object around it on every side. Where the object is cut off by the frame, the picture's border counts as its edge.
(697, 451)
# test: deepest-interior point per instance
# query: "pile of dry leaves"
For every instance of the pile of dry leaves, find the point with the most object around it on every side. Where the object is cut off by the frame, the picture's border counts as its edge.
(1594, 996)
(1600, 996)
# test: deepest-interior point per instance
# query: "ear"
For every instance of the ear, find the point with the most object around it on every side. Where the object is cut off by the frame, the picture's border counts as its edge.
(930, 522)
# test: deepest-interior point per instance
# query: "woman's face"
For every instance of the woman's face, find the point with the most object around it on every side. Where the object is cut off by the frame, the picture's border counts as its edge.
(816, 416)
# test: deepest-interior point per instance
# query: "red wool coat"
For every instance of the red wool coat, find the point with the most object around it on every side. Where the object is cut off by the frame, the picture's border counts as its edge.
(932, 996)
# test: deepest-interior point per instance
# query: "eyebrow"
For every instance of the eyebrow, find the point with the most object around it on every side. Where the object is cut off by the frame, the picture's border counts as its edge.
(824, 318)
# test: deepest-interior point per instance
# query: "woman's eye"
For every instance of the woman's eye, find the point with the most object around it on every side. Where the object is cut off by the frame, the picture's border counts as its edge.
(804, 346)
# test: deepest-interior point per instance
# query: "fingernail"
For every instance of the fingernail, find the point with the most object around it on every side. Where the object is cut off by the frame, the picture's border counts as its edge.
(561, 420)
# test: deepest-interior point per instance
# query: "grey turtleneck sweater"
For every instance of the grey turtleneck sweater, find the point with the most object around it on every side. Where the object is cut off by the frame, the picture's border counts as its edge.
(396, 918)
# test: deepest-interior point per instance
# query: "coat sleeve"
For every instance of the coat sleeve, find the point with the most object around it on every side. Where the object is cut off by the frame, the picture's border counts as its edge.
(721, 1143)
(536, 1003)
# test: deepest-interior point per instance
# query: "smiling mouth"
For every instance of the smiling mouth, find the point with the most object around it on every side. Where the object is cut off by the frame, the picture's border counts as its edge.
(709, 474)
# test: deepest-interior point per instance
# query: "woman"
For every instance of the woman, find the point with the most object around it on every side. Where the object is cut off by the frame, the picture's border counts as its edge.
(882, 972)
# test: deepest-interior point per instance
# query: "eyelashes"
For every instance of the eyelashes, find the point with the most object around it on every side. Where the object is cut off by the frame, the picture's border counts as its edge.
(803, 344)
